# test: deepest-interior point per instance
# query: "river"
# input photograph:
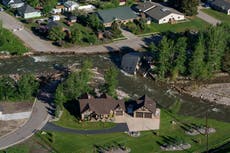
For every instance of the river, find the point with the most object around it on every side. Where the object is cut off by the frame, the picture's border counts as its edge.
(135, 86)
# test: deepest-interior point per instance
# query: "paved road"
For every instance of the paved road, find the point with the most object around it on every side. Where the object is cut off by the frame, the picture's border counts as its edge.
(38, 119)
(120, 127)
(207, 17)
(25, 35)
(39, 45)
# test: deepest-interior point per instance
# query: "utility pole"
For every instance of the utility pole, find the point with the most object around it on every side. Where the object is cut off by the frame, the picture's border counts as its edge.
(206, 131)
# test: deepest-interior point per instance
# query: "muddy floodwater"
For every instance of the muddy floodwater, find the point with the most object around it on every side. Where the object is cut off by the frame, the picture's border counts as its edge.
(135, 86)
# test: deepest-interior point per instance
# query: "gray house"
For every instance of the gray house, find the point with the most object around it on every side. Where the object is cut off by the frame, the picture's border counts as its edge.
(13, 3)
(26, 11)
(221, 5)
(130, 62)
(120, 14)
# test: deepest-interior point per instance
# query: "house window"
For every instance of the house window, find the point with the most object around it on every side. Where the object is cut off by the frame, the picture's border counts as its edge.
(178, 17)
(148, 115)
(119, 113)
(139, 114)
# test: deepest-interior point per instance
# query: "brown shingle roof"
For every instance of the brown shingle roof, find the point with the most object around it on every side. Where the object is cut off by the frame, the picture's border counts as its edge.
(147, 103)
(100, 105)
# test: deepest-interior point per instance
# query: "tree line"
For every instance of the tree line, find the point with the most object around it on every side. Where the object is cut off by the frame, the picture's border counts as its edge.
(78, 83)
(23, 89)
(198, 55)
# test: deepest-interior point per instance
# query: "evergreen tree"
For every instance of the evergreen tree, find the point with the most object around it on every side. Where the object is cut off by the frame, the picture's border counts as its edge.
(179, 57)
(165, 49)
(198, 67)
(216, 45)
(111, 81)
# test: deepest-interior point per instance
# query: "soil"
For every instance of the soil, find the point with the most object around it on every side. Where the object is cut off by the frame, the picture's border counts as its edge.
(15, 107)
(8, 126)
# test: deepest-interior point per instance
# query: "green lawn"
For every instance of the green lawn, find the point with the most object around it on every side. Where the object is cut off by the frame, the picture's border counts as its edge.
(68, 120)
(147, 142)
(11, 43)
(193, 24)
(218, 15)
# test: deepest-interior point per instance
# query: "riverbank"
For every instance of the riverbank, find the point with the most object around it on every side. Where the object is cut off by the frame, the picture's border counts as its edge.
(216, 90)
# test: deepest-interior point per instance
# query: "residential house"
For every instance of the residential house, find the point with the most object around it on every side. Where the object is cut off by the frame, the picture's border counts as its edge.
(72, 19)
(130, 62)
(26, 11)
(159, 13)
(144, 107)
(221, 5)
(122, 2)
(58, 9)
(102, 108)
(120, 14)
(13, 3)
(55, 18)
(87, 8)
(70, 6)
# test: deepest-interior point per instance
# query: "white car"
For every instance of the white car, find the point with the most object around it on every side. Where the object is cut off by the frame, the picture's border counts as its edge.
(1, 9)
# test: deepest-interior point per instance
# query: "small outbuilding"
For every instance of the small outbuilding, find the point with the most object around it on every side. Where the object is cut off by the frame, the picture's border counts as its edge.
(131, 62)
(13, 3)
(70, 6)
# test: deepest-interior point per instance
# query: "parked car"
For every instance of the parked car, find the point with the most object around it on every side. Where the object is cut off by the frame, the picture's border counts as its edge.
(1, 9)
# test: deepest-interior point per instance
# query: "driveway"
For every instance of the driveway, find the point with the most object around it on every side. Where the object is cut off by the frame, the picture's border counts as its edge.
(139, 124)
(120, 127)
(39, 45)
(207, 17)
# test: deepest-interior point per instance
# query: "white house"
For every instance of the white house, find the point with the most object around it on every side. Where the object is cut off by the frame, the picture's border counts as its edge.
(13, 3)
(26, 11)
(58, 9)
(56, 18)
(87, 8)
(70, 6)
(160, 14)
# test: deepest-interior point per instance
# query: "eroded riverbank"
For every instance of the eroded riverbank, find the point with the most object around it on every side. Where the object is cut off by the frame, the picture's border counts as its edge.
(135, 86)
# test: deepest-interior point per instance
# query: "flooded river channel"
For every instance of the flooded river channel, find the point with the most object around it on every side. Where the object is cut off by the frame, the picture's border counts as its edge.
(135, 86)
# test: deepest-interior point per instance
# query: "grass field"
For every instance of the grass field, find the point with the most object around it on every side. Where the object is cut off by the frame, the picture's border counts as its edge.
(218, 15)
(70, 121)
(192, 24)
(11, 43)
(148, 142)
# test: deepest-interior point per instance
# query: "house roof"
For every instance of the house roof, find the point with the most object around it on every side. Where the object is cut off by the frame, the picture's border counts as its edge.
(130, 61)
(100, 105)
(156, 10)
(52, 24)
(121, 13)
(147, 103)
(223, 4)
(26, 9)
(14, 1)
(142, 7)
(70, 4)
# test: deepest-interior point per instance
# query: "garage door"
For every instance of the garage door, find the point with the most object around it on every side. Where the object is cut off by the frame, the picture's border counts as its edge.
(148, 115)
(119, 113)
(139, 114)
